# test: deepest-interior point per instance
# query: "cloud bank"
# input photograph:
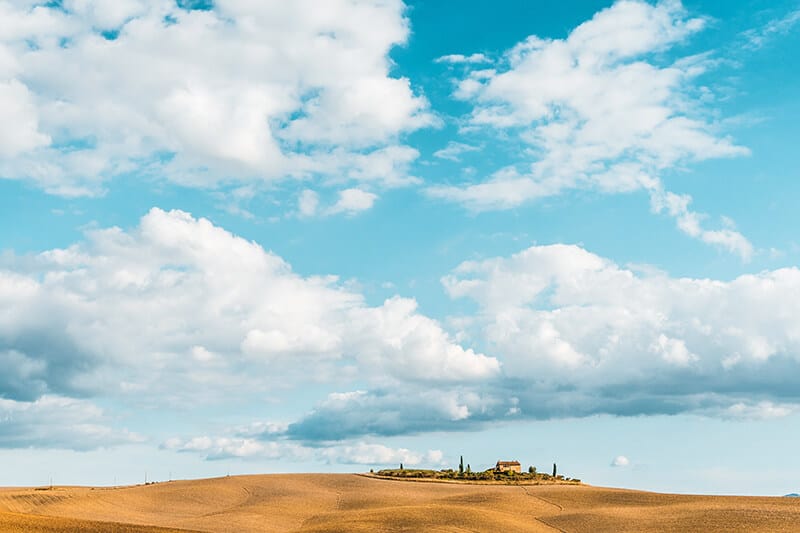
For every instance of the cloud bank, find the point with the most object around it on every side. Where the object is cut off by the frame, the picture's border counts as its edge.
(579, 335)
(571, 321)
(178, 311)
(179, 295)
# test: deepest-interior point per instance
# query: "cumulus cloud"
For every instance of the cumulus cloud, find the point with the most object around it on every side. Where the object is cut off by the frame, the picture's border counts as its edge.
(563, 331)
(354, 453)
(127, 312)
(620, 461)
(597, 111)
(242, 92)
(180, 310)
(307, 203)
(385, 413)
(215, 448)
(366, 454)
(353, 201)
(587, 335)
(19, 116)
(58, 422)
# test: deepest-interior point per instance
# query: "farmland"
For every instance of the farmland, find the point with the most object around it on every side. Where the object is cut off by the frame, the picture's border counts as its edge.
(348, 502)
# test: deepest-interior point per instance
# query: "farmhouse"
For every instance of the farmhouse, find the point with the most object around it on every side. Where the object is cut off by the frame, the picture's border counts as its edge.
(508, 466)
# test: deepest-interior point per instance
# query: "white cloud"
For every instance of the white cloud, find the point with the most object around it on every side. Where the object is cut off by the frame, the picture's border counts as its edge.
(243, 92)
(106, 15)
(353, 201)
(567, 319)
(178, 308)
(620, 461)
(349, 202)
(689, 222)
(214, 448)
(378, 454)
(409, 409)
(202, 355)
(58, 422)
(352, 453)
(758, 410)
(673, 351)
(453, 151)
(307, 203)
(19, 121)
(759, 37)
(460, 58)
(597, 111)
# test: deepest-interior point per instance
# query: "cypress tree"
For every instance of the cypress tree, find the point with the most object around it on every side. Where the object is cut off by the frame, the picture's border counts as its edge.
(554, 470)
(461, 466)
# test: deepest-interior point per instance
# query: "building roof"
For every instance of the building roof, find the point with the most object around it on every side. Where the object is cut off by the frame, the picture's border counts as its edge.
(508, 463)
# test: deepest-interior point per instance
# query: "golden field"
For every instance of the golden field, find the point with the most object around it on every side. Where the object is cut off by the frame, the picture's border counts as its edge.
(349, 502)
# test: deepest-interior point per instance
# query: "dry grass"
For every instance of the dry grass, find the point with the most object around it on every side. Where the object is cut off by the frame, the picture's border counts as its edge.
(25, 523)
(335, 503)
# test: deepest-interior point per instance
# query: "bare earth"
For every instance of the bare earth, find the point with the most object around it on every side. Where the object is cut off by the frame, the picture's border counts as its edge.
(347, 502)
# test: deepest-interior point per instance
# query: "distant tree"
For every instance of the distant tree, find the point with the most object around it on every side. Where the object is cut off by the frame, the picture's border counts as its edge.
(461, 466)
(469, 470)
(371, 471)
(531, 469)
(554, 470)
(401, 466)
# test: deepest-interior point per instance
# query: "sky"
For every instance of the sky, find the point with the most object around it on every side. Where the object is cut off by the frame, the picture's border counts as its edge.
(254, 237)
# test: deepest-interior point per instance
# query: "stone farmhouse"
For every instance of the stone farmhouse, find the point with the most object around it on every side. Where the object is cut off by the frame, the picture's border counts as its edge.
(508, 466)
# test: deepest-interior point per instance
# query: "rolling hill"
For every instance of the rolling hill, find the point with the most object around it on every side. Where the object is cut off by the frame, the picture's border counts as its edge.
(347, 502)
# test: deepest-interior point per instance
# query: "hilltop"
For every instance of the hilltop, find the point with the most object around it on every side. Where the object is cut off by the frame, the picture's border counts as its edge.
(485, 477)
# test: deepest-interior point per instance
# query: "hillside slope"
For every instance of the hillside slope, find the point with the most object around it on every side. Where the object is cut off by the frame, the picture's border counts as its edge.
(344, 502)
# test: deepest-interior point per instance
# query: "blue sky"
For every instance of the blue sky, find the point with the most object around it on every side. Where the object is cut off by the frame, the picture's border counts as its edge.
(242, 238)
